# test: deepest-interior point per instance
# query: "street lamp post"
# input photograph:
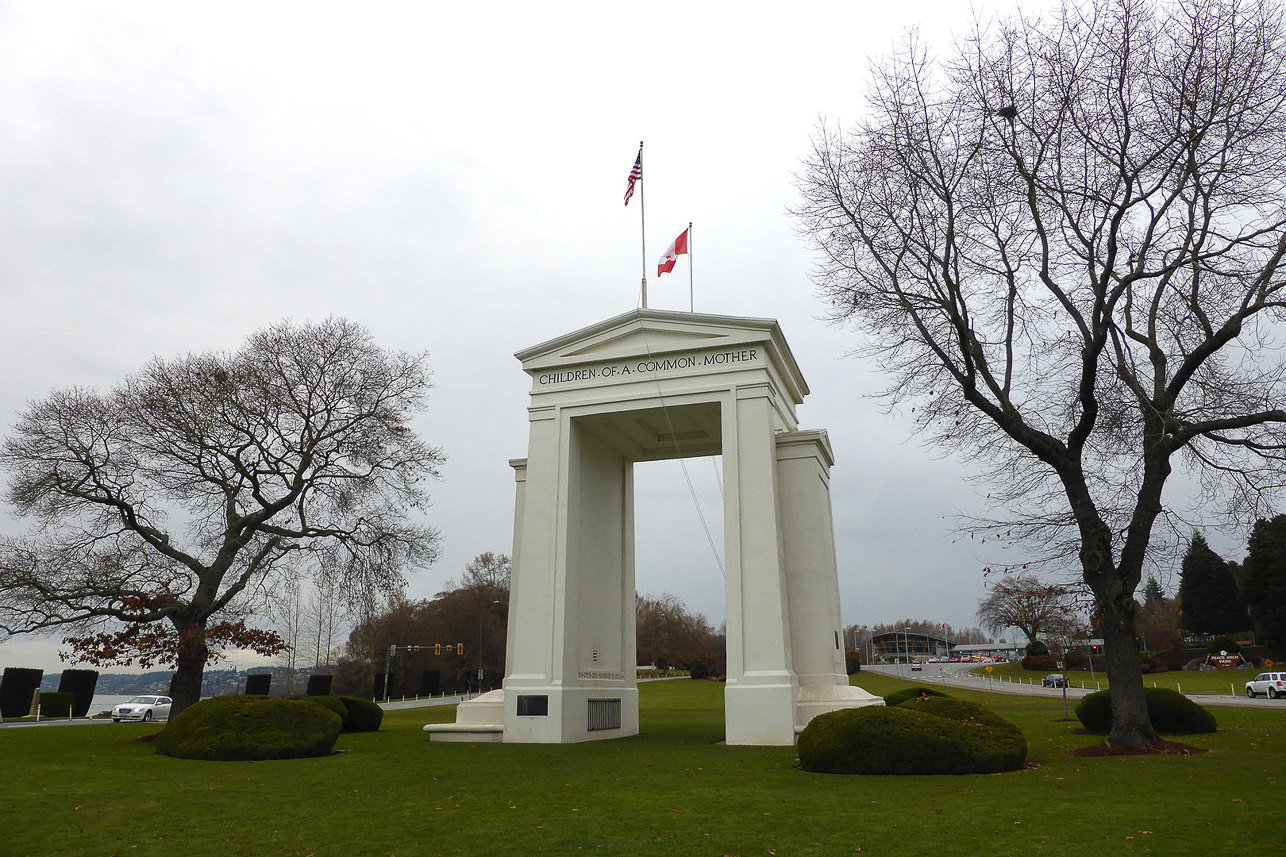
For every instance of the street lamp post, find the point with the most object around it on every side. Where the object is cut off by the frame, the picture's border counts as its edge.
(482, 605)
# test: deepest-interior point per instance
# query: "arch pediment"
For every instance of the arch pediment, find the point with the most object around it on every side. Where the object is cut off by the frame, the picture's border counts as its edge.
(667, 345)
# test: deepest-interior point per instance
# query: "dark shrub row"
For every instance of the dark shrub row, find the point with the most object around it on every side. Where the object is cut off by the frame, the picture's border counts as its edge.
(258, 684)
(319, 684)
(81, 684)
(17, 687)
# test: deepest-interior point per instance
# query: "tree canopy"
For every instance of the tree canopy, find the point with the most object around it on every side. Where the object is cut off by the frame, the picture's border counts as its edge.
(167, 505)
(1264, 581)
(1038, 609)
(1208, 596)
(1063, 243)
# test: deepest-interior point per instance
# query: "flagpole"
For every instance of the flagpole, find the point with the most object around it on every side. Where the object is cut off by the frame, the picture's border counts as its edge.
(691, 305)
(643, 225)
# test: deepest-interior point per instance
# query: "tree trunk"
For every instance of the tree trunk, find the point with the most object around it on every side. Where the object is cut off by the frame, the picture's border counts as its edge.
(185, 686)
(1131, 726)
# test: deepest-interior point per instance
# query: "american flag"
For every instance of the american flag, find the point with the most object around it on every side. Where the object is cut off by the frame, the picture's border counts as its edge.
(635, 175)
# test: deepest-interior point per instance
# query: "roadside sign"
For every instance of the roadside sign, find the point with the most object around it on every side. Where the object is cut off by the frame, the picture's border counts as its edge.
(989, 668)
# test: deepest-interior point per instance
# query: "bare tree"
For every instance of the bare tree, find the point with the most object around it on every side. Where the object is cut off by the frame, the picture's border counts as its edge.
(325, 617)
(1028, 604)
(1064, 244)
(287, 612)
(489, 571)
(169, 504)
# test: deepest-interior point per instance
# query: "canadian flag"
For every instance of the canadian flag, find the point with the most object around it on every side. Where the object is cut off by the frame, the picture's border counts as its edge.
(677, 246)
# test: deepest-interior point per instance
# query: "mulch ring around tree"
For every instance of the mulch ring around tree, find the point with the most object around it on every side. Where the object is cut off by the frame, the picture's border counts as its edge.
(1160, 748)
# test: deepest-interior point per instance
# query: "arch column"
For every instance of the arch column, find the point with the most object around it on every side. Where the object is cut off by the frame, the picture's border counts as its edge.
(759, 697)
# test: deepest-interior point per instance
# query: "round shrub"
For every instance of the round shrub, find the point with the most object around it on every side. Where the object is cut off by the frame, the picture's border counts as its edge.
(363, 715)
(900, 696)
(902, 740)
(331, 703)
(1169, 711)
(1007, 738)
(244, 728)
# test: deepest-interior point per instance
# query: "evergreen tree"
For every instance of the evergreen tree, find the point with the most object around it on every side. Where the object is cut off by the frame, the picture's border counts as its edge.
(1153, 594)
(1264, 581)
(1208, 593)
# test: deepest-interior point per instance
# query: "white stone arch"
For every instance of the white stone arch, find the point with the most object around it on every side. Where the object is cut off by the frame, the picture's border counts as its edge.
(650, 385)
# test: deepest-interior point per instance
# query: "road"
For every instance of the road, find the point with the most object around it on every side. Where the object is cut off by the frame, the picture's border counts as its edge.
(958, 675)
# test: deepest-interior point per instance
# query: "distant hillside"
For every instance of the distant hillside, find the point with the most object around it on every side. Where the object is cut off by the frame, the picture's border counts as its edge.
(216, 682)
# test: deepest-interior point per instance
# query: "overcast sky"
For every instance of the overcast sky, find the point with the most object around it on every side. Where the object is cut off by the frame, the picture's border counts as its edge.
(451, 177)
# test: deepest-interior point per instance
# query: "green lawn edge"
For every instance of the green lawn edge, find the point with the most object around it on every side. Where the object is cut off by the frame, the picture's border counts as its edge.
(97, 790)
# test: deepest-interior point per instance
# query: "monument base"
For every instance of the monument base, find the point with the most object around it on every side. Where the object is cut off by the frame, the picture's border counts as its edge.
(816, 700)
(544, 715)
(479, 719)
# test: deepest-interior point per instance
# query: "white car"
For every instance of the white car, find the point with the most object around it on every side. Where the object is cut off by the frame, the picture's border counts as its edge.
(143, 708)
(1272, 684)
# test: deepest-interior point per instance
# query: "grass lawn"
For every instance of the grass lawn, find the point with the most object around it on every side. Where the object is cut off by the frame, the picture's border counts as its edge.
(1220, 682)
(672, 790)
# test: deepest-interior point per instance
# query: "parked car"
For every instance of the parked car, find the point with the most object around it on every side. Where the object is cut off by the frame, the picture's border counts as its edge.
(1272, 685)
(143, 708)
(1054, 680)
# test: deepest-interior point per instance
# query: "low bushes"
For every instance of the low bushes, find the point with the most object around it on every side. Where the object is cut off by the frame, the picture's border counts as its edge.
(1169, 711)
(56, 703)
(331, 703)
(244, 728)
(908, 739)
(363, 715)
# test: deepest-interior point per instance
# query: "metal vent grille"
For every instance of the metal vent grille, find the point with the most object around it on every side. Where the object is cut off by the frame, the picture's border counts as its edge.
(604, 714)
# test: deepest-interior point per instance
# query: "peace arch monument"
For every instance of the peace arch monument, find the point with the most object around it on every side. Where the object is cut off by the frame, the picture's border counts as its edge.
(645, 386)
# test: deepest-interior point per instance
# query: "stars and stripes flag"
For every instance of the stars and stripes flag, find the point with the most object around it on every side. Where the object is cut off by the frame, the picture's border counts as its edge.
(678, 246)
(636, 174)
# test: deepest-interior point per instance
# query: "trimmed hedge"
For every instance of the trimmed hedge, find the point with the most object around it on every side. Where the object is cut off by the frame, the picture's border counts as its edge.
(319, 684)
(902, 740)
(247, 728)
(57, 703)
(363, 715)
(258, 684)
(82, 684)
(1169, 711)
(900, 696)
(17, 687)
(331, 703)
